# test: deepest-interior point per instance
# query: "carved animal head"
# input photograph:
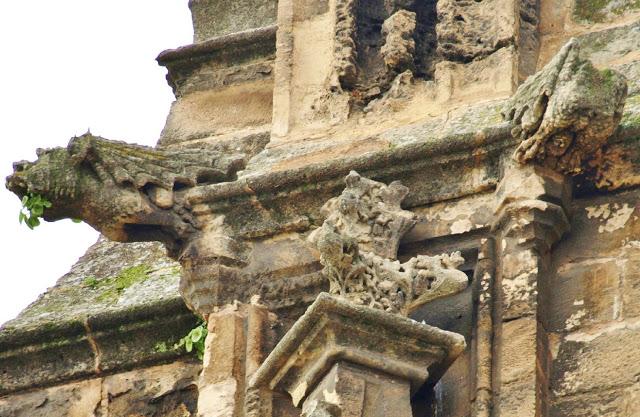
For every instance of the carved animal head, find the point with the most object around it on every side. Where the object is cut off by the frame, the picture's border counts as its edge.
(54, 176)
(566, 112)
(436, 277)
(127, 192)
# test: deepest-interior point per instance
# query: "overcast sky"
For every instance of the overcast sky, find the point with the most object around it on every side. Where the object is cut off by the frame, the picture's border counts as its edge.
(67, 66)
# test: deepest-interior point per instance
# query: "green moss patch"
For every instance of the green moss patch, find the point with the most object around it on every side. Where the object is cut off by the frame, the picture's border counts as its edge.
(597, 11)
(111, 288)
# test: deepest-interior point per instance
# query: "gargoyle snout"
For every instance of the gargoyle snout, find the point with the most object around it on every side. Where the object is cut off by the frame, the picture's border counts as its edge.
(16, 184)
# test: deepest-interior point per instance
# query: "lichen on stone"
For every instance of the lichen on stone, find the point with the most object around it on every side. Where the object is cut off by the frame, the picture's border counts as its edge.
(597, 11)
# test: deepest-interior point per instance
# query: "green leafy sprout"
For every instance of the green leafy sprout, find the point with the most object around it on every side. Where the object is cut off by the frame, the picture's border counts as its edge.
(194, 340)
(33, 206)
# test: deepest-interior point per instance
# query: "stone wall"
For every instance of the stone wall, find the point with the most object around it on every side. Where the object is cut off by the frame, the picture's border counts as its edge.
(165, 390)
(307, 91)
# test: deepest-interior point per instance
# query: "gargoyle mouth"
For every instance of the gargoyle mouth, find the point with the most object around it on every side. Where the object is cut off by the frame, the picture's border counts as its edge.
(17, 184)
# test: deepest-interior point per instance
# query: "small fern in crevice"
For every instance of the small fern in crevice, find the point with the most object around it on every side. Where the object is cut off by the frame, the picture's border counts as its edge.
(194, 340)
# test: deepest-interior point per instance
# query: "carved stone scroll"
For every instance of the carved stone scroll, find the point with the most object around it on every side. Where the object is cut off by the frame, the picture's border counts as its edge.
(358, 245)
(565, 113)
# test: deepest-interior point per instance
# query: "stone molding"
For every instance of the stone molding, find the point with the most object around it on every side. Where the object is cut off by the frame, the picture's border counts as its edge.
(92, 346)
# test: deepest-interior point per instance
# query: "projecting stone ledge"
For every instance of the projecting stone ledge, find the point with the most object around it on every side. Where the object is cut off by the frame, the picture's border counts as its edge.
(340, 357)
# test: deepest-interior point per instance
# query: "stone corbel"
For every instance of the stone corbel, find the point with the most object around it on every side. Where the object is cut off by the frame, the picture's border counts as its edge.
(211, 261)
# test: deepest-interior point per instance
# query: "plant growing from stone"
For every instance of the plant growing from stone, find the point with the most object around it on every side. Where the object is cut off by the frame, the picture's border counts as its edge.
(194, 340)
(33, 206)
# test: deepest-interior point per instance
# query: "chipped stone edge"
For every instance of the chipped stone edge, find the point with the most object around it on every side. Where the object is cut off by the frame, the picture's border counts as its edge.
(233, 41)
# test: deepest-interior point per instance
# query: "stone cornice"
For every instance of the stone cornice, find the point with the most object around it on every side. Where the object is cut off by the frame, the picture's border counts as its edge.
(397, 161)
(91, 346)
(234, 41)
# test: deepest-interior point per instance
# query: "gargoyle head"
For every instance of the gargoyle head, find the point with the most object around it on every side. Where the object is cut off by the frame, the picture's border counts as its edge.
(127, 192)
(53, 176)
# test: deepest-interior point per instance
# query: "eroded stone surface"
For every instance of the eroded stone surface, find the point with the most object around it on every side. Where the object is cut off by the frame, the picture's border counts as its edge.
(358, 244)
(161, 391)
(566, 112)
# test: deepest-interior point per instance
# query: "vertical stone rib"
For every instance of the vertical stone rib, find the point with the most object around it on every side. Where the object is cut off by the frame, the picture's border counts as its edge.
(484, 275)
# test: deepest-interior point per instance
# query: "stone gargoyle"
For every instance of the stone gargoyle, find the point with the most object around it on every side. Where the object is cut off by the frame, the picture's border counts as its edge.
(566, 112)
(358, 244)
(127, 192)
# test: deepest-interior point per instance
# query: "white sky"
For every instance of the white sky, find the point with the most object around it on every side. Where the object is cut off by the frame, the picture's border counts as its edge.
(66, 66)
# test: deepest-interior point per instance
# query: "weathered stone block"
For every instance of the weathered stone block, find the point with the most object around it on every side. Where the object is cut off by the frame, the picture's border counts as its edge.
(621, 402)
(168, 391)
(599, 360)
(78, 399)
(468, 30)
(600, 226)
(517, 395)
(219, 17)
(356, 391)
(220, 112)
(631, 280)
(583, 293)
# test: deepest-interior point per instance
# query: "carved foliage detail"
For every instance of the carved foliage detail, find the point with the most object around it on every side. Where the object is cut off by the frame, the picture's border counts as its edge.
(358, 244)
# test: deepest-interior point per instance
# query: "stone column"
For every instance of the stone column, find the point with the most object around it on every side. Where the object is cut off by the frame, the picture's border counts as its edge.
(531, 216)
(343, 359)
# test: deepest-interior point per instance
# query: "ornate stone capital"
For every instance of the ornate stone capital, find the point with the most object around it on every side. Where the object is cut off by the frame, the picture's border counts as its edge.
(358, 244)
(531, 206)
(333, 332)
(565, 113)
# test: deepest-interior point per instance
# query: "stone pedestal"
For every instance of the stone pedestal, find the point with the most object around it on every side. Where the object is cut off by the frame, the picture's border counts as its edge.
(344, 359)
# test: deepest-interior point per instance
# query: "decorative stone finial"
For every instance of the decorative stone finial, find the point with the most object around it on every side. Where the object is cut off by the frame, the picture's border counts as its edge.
(127, 192)
(358, 244)
(566, 112)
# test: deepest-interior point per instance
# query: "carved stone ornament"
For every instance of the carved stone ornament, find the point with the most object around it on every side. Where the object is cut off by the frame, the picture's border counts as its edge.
(565, 113)
(358, 244)
(127, 192)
